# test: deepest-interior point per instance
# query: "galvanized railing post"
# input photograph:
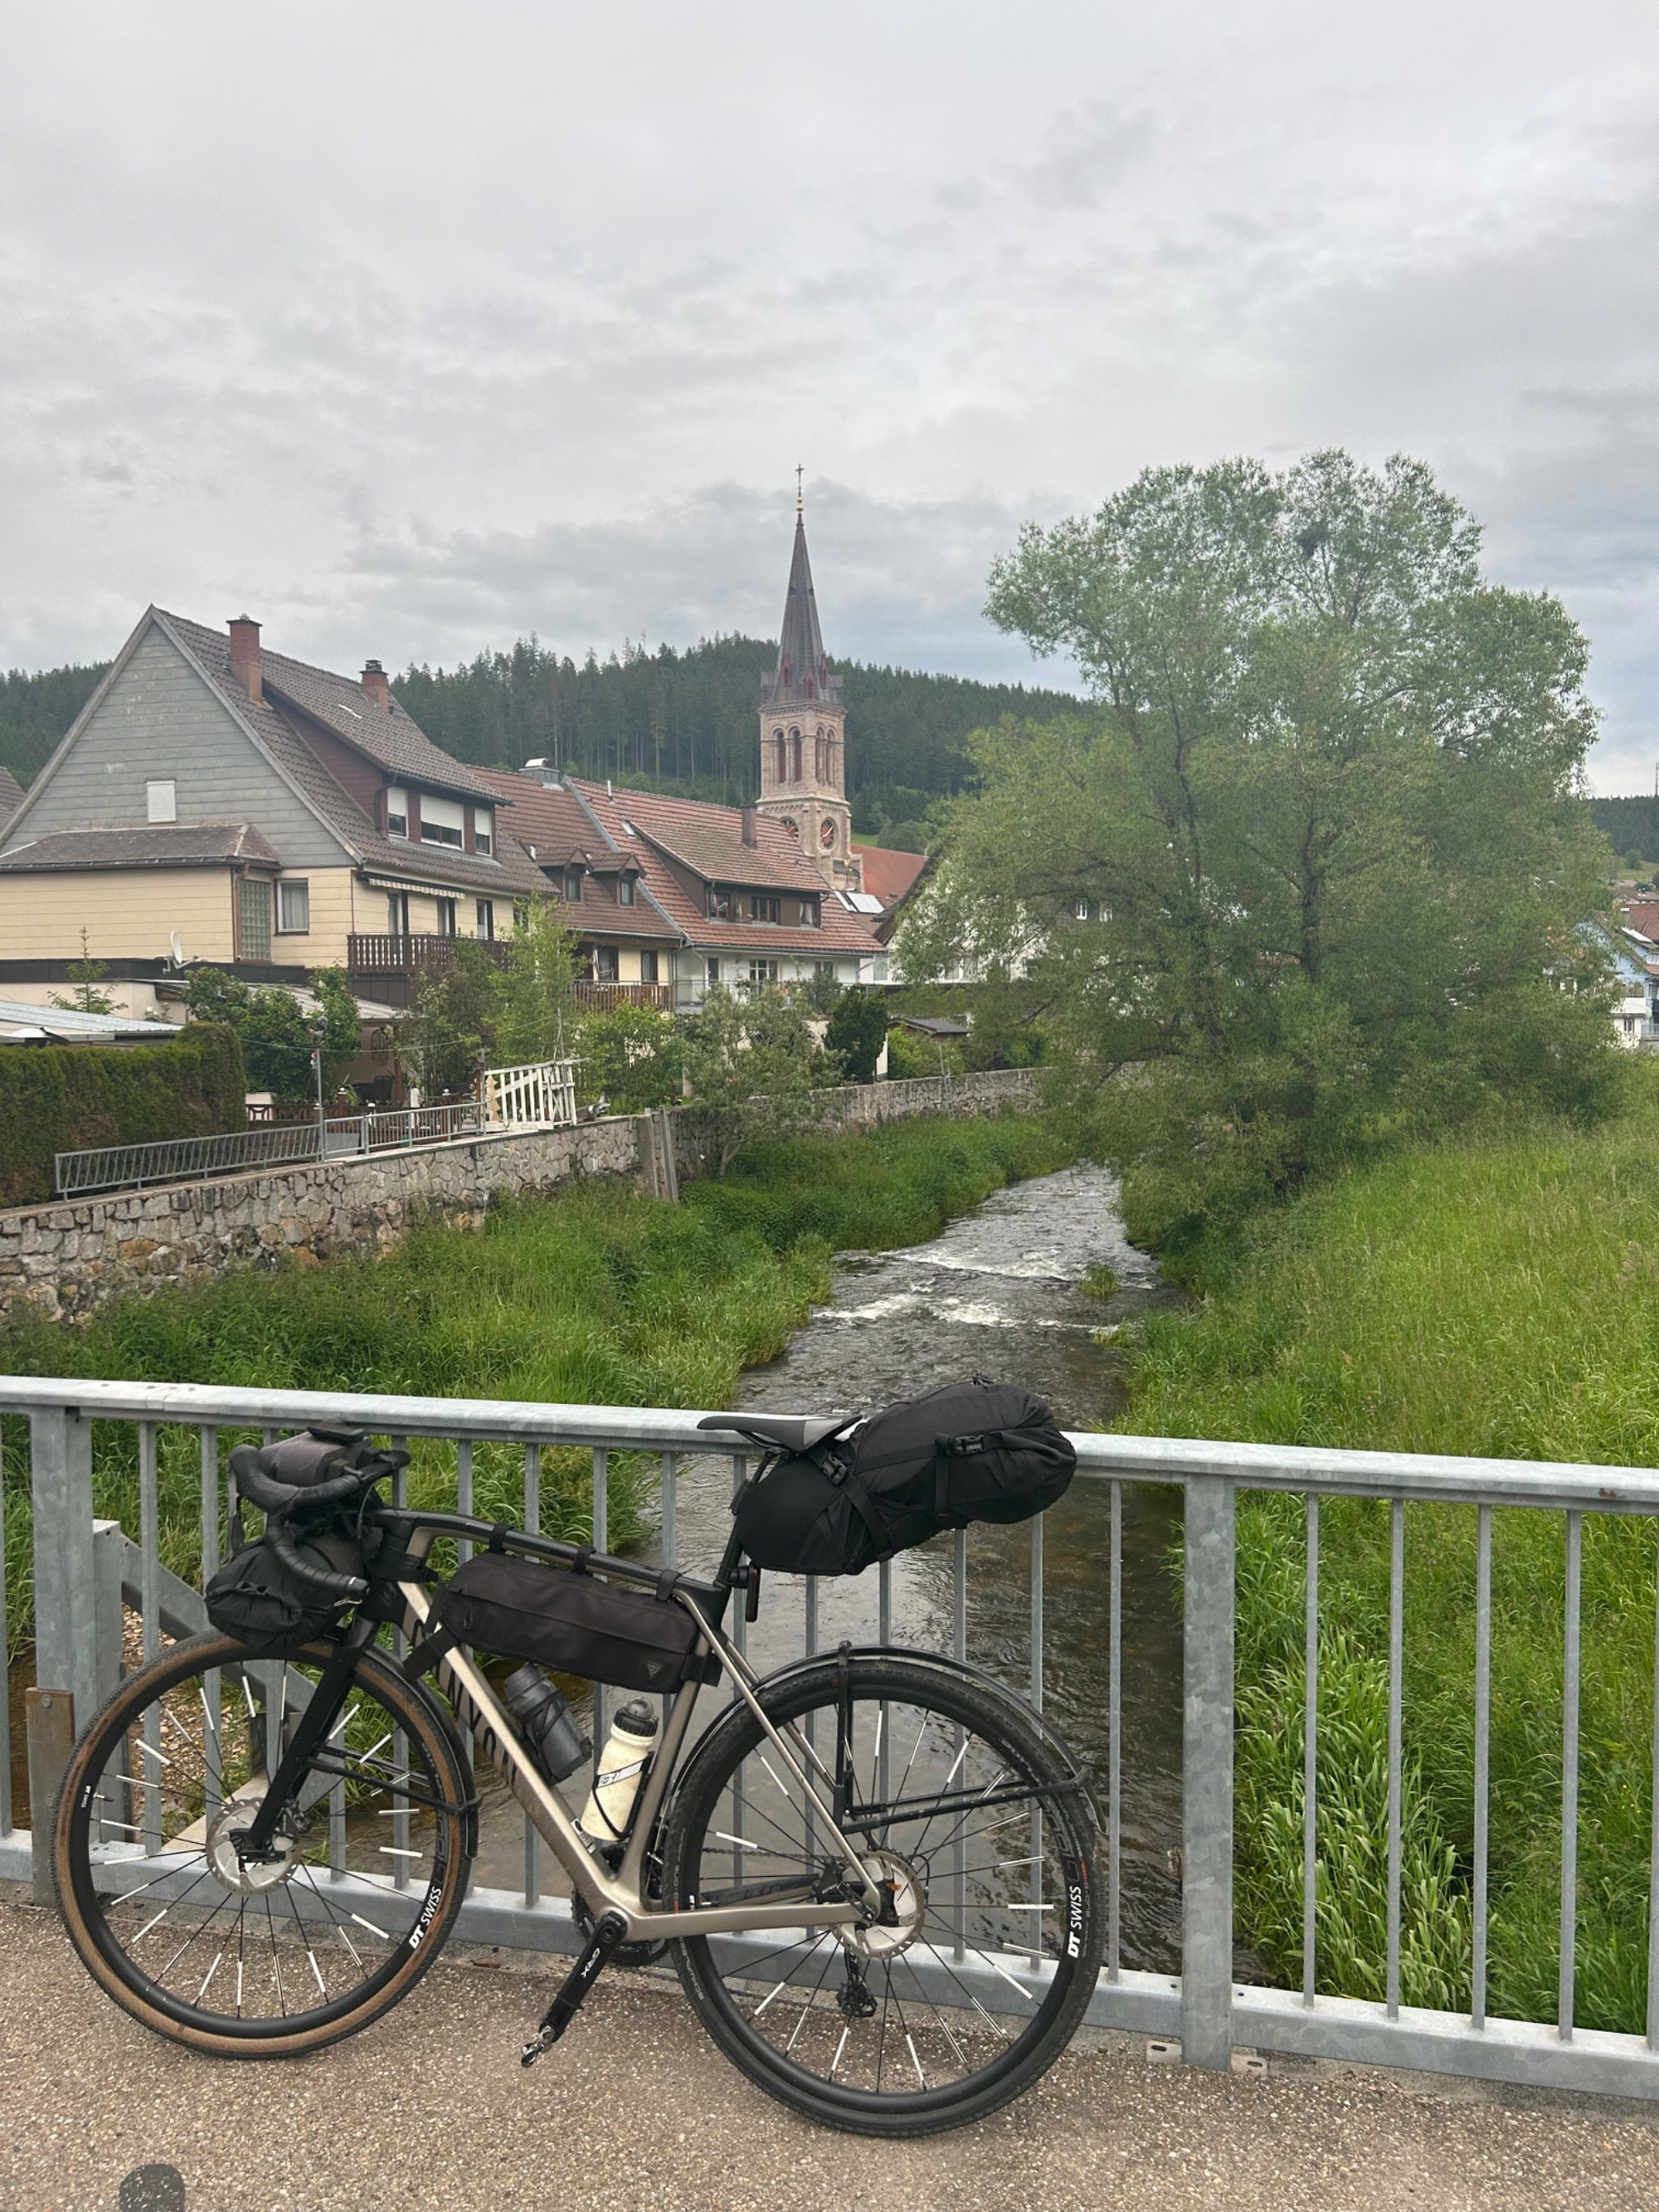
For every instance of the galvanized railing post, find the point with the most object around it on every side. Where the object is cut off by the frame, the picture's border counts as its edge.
(1206, 1778)
(65, 1586)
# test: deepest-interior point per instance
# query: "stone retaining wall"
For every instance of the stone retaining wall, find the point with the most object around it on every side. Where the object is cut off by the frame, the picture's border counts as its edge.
(66, 1258)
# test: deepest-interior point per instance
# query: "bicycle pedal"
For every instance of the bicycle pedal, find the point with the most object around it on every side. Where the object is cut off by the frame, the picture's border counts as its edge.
(543, 2039)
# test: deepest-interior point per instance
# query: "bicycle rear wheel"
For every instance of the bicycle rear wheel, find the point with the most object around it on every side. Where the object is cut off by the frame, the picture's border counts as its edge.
(992, 1935)
(270, 1959)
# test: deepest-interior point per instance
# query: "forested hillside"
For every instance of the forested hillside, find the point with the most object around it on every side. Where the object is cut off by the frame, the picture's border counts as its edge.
(36, 710)
(1631, 826)
(686, 720)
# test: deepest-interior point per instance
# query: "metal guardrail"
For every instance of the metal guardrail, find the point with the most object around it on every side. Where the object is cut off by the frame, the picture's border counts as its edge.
(541, 1096)
(84, 1571)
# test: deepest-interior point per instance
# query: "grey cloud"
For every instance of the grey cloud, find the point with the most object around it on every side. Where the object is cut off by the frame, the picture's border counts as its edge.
(465, 335)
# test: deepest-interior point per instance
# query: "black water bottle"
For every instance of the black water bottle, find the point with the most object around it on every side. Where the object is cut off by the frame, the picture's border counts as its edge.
(556, 1743)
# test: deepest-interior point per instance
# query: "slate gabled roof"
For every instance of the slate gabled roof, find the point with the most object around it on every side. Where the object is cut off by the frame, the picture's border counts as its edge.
(802, 675)
(143, 845)
(507, 870)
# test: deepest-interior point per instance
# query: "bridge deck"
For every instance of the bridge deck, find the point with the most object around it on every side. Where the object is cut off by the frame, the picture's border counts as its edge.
(637, 2111)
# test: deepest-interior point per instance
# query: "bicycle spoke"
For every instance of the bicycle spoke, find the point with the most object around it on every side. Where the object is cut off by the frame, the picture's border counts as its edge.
(922, 2002)
(249, 1939)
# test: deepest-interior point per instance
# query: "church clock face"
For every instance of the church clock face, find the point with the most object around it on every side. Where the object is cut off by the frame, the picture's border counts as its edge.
(827, 834)
(793, 827)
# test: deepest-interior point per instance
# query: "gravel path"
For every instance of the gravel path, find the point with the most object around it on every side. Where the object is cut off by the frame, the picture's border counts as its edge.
(636, 2110)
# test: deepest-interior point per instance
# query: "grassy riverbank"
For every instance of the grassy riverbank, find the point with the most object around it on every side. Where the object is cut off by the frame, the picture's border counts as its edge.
(1494, 1297)
(603, 1296)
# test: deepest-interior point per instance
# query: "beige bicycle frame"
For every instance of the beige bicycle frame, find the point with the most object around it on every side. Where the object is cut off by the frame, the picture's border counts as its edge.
(621, 1892)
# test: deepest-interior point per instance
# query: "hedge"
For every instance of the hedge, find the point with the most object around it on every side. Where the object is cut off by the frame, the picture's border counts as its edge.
(66, 1098)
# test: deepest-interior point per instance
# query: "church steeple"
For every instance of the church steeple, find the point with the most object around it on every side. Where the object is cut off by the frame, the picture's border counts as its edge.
(802, 672)
(803, 727)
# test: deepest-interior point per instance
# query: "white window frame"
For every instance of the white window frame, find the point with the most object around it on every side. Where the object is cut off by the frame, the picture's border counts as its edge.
(443, 821)
(484, 916)
(292, 892)
(397, 811)
(160, 799)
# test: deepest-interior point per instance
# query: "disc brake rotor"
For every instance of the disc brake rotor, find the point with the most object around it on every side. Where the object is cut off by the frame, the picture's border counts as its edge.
(904, 1909)
(252, 1878)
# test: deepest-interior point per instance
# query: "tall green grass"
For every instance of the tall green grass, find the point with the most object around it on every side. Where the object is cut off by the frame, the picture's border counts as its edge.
(1494, 1295)
(602, 1296)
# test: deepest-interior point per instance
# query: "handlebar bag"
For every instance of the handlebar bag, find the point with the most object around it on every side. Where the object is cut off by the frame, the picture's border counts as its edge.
(965, 1452)
(257, 1599)
(574, 1623)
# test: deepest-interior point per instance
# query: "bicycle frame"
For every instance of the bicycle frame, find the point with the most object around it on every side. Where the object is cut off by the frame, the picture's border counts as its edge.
(622, 1890)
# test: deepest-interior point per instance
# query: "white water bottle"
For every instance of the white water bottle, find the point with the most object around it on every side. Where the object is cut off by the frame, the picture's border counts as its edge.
(611, 1801)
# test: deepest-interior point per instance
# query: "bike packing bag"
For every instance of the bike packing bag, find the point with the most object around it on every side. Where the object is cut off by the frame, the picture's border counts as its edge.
(257, 1599)
(965, 1452)
(572, 1623)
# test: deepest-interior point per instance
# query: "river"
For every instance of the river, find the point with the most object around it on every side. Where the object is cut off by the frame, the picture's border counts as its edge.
(1000, 1293)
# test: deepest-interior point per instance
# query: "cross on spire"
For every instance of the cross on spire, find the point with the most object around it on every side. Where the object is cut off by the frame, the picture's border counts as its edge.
(799, 472)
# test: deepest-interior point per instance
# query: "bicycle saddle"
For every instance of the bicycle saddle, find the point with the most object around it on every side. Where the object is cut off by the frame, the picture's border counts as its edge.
(792, 1431)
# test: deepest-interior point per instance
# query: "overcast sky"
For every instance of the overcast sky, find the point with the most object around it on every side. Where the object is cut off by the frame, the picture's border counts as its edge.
(413, 328)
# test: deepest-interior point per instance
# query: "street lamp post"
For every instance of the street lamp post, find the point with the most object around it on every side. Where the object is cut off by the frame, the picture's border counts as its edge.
(319, 1032)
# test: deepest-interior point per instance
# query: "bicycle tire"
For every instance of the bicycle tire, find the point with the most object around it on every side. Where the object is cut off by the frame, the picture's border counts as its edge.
(176, 1804)
(958, 1929)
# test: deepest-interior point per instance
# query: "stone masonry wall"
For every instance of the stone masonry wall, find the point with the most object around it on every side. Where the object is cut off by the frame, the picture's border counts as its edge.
(67, 1258)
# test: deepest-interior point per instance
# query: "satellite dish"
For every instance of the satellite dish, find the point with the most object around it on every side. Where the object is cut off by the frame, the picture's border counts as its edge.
(178, 950)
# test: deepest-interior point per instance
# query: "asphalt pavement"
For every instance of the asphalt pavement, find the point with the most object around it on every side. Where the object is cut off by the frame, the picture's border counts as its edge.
(636, 2109)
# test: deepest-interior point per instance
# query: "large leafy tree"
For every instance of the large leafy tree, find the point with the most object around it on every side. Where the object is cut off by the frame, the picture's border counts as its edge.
(753, 1067)
(1316, 866)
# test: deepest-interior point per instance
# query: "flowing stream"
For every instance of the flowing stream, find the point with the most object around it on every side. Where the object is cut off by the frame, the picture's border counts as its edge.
(1000, 1293)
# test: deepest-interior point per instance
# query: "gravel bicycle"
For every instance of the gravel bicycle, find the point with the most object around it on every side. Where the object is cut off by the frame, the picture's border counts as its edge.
(874, 1869)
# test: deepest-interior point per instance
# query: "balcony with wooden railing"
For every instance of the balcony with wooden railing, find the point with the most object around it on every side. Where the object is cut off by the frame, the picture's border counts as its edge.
(389, 968)
(595, 997)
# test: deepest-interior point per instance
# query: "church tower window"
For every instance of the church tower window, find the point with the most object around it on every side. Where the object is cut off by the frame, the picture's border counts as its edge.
(794, 756)
(783, 765)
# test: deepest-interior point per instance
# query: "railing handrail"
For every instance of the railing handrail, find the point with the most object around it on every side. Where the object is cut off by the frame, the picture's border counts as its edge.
(1443, 1478)
(78, 1563)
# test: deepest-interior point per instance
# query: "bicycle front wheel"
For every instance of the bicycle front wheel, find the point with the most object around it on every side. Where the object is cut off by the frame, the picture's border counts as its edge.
(981, 1834)
(269, 1959)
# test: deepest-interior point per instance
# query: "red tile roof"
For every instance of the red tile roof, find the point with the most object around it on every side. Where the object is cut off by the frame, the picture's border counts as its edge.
(890, 876)
(689, 827)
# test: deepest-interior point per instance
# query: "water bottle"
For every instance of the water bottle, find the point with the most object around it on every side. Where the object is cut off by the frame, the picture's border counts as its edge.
(555, 1743)
(626, 1748)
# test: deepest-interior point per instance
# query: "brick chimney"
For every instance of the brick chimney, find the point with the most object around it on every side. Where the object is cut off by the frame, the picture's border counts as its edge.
(374, 683)
(245, 656)
(750, 835)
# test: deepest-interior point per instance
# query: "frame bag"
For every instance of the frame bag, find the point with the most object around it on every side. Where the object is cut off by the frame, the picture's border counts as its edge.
(968, 1451)
(574, 1623)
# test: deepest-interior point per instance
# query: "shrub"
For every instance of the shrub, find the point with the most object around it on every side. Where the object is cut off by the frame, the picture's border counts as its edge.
(856, 1030)
(65, 1098)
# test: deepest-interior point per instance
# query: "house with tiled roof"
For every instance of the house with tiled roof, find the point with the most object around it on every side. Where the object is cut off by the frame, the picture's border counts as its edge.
(627, 946)
(216, 801)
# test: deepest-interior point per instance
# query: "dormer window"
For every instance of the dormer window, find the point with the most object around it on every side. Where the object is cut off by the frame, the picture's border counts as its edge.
(624, 891)
(443, 821)
(396, 813)
(573, 886)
